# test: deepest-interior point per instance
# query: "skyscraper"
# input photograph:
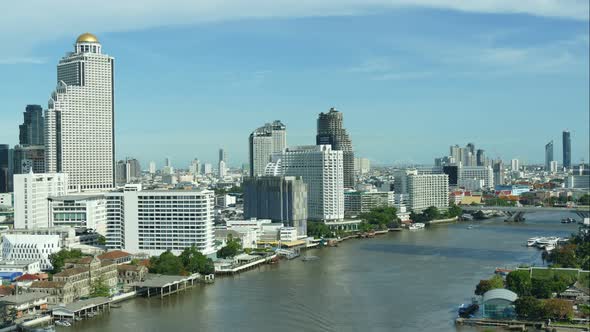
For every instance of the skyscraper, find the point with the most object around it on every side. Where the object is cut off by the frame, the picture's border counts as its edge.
(321, 169)
(481, 157)
(330, 131)
(31, 131)
(567, 150)
(498, 167)
(548, 155)
(263, 142)
(79, 122)
(4, 168)
(222, 155)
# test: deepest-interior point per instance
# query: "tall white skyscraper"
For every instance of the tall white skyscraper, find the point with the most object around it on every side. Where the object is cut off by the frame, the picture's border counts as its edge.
(263, 142)
(515, 165)
(222, 170)
(79, 130)
(31, 207)
(322, 169)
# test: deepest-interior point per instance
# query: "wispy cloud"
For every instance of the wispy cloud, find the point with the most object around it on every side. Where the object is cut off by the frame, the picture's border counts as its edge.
(22, 60)
(114, 15)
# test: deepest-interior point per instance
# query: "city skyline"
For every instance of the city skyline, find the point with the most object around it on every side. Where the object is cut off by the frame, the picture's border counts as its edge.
(377, 86)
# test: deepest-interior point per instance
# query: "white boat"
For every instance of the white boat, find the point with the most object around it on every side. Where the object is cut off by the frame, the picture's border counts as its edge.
(549, 247)
(543, 242)
(417, 225)
(62, 323)
(533, 241)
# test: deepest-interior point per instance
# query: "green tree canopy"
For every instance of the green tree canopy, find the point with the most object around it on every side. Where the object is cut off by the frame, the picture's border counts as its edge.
(489, 284)
(318, 229)
(59, 258)
(195, 262)
(519, 281)
(557, 309)
(99, 288)
(528, 308)
(167, 263)
(232, 247)
(382, 217)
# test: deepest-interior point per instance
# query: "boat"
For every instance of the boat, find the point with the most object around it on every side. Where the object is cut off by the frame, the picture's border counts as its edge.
(543, 242)
(63, 323)
(549, 247)
(309, 258)
(417, 225)
(470, 227)
(533, 241)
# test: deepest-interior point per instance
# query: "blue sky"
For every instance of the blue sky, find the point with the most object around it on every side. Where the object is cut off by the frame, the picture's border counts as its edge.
(410, 77)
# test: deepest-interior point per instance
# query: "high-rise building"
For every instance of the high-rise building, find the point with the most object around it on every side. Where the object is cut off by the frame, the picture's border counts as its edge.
(479, 173)
(548, 155)
(330, 131)
(145, 221)
(498, 167)
(553, 167)
(31, 191)
(167, 162)
(152, 167)
(515, 165)
(29, 158)
(321, 169)
(5, 169)
(481, 158)
(79, 211)
(207, 168)
(31, 131)
(195, 167)
(362, 165)
(79, 122)
(278, 198)
(222, 170)
(567, 150)
(428, 190)
(127, 171)
(263, 142)
(222, 155)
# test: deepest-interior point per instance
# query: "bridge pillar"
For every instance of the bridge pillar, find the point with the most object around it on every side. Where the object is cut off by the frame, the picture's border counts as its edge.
(515, 216)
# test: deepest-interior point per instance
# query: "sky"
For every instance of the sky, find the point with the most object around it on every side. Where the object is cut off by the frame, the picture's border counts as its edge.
(412, 77)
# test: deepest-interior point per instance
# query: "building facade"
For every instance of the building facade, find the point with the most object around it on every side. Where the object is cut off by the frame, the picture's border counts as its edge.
(478, 173)
(330, 131)
(80, 118)
(321, 168)
(357, 202)
(278, 198)
(567, 149)
(263, 142)
(89, 211)
(155, 221)
(31, 193)
(31, 247)
(548, 155)
(428, 190)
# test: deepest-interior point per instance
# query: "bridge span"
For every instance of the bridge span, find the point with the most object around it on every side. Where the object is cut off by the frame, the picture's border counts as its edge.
(517, 212)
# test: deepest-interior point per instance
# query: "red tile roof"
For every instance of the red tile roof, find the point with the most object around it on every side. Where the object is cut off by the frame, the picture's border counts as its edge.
(28, 277)
(115, 254)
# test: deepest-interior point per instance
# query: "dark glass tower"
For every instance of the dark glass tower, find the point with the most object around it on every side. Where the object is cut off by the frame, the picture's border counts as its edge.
(31, 131)
(4, 169)
(330, 131)
(567, 150)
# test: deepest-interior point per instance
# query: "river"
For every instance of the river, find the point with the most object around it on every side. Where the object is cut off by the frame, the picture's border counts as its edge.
(402, 281)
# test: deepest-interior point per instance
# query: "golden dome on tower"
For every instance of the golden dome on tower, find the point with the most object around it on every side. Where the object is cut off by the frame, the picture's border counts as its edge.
(87, 37)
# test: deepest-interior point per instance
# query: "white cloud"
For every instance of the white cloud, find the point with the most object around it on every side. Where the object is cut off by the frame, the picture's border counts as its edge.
(25, 24)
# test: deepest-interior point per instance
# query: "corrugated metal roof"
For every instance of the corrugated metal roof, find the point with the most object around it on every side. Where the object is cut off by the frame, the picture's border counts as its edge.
(500, 293)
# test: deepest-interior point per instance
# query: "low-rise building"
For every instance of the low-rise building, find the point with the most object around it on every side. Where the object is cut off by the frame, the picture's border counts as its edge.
(20, 266)
(128, 274)
(357, 202)
(116, 256)
(88, 211)
(288, 234)
(25, 304)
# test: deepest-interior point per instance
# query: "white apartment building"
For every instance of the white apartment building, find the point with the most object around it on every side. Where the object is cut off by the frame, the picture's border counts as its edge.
(79, 121)
(31, 193)
(30, 247)
(5, 200)
(468, 173)
(155, 221)
(263, 142)
(515, 165)
(553, 166)
(79, 211)
(428, 190)
(152, 167)
(321, 168)
(400, 180)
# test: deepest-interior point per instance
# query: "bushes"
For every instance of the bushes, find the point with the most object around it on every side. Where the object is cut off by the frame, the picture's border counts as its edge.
(486, 285)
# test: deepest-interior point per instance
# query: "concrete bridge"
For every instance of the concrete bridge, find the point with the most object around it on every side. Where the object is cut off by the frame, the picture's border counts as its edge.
(516, 213)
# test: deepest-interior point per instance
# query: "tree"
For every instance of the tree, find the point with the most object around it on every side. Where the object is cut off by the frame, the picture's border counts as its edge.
(528, 307)
(557, 309)
(489, 284)
(318, 229)
(431, 213)
(519, 281)
(99, 288)
(584, 200)
(195, 262)
(454, 211)
(232, 247)
(102, 240)
(541, 288)
(59, 258)
(381, 217)
(167, 263)
(564, 256)
(7, 315)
